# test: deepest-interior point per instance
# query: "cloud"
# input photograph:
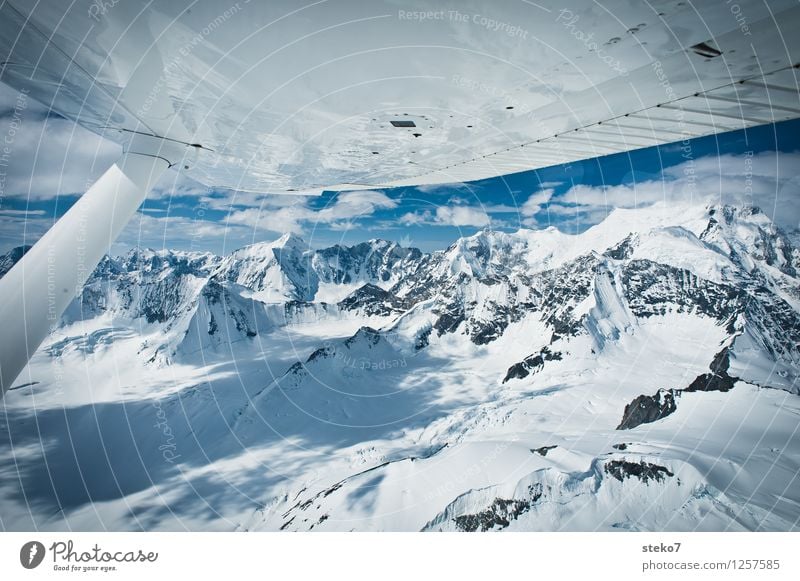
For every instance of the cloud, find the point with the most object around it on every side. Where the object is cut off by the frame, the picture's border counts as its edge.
(568, 218)
(288, 219)
(144, 230)
(189, 233)
(22, 213)
(346, 208)
(356, 204)
(439, 188)
(462, 216)
(417, 218)
(549, 185)
(19, 229)
(499, 209)
(535, 204)
(619, 196)
(768, 180)
(47, 156)
(769, 164)
(231, 200)
(176, 184)
(458, 215)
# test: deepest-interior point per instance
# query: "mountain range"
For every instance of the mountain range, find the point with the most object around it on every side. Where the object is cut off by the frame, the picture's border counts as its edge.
(641, 375)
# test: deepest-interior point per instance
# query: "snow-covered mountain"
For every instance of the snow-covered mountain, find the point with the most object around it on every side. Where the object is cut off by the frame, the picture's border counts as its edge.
(11, 257)
(287, 269)
(176, 298)
(640, 375)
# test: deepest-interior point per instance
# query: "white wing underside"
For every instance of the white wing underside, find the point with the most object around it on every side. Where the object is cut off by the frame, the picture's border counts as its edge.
(284, 97)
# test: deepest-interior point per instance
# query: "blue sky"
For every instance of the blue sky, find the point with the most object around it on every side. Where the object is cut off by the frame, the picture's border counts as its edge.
(52, 160)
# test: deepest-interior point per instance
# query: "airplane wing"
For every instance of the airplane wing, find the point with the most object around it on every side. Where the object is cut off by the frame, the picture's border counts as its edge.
(285, 97)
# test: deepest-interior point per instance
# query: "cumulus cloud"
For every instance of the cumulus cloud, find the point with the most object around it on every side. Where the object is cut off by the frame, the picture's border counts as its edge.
(154, 227)
(189, 233)
(288, 219)
(535, 204)
(417, 218)
(345, 208)
(458, 215)
(462, 216)
(769, 180)
(354, 205)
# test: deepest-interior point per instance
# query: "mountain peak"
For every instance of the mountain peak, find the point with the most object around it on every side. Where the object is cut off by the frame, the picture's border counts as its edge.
(729, 213)
(11, 257)
(265, 248)
(289, 239)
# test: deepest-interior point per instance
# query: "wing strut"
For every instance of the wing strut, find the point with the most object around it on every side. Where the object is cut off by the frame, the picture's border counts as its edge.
(37, 290)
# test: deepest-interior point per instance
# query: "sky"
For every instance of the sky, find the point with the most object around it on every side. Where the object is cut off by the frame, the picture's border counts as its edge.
(48, 161)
